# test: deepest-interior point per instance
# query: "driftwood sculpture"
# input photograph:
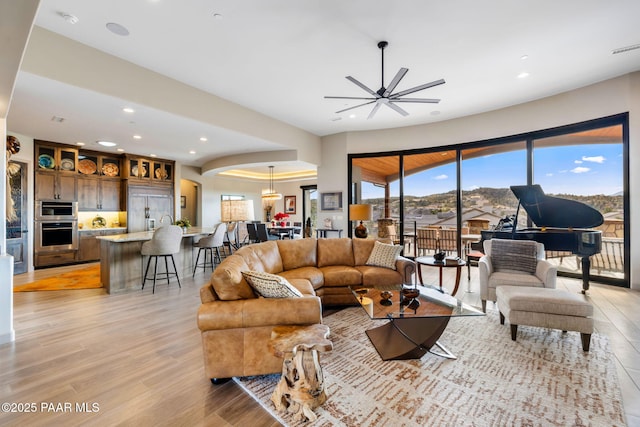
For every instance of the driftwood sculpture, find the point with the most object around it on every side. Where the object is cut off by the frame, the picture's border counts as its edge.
(301, 387)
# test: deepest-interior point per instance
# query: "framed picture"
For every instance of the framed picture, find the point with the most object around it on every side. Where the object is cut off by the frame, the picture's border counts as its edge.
(183, 202)
(331, 201)
(290, 204)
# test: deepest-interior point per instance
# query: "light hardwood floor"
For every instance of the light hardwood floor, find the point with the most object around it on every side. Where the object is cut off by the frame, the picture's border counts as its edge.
(138, 356)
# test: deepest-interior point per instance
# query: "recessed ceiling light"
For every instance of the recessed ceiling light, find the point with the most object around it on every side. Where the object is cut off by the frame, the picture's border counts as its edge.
(120, 149)
(523, 75)
(523, 57)
(217, 16)
(107, 143)
(80, 143)
(203, 139)
(153, 155)
(117, 29)
(128, 110)
(192, 152)
(137, 137)
(352, 116)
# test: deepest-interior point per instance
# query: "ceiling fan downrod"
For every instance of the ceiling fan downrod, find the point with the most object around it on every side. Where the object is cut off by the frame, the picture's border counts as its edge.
(381, 46)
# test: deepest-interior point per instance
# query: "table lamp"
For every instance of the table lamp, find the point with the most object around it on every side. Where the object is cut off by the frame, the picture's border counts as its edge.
(360, 213)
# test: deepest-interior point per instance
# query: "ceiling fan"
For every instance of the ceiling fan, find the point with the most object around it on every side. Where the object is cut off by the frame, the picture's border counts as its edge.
(384, 96)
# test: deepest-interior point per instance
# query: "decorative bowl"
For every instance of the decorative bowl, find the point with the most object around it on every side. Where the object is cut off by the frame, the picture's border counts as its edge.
(386, 297)
(410, 293)
(439, 256)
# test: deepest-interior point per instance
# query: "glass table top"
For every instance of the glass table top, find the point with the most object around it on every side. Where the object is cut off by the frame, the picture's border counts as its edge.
(430, 302)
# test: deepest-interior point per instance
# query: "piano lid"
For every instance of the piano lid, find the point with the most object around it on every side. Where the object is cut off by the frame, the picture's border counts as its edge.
(549, 211)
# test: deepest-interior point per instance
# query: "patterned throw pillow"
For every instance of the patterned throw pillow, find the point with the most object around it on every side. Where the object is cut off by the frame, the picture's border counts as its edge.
(384, 255)
(270, 285)
(515, 255)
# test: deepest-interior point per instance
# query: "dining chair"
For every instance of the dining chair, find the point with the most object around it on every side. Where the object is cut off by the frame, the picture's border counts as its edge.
(251, 230)
(263, 236)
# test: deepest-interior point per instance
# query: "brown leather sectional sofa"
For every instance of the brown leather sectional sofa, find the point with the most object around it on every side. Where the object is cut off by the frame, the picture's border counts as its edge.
(236, 325)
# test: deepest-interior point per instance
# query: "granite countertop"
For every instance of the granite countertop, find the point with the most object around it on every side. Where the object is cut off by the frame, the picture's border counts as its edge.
(146, 235)
(102, 228)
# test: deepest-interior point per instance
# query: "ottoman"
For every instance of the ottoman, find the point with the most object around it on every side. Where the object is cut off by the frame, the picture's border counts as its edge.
(546, 308)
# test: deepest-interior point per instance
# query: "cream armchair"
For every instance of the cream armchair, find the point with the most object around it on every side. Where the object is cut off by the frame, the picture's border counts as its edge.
(514, 263)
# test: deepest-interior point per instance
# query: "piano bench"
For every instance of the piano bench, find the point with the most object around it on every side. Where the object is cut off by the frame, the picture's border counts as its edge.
(546, 308)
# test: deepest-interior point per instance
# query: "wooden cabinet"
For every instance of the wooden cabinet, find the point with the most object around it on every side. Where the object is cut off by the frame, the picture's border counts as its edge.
(98, 181)
(143, 169)
(98, 194)
(52, 185)
(89, 245)
(56, 172)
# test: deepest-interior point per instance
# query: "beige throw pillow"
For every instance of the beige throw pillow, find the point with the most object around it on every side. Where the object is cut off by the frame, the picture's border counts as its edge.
(384, 255)
(270, 285)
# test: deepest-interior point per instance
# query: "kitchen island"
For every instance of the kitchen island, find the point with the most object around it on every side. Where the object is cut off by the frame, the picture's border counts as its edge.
(122, 265)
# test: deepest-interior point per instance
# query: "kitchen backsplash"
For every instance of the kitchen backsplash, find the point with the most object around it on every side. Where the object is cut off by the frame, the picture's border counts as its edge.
(91, 220)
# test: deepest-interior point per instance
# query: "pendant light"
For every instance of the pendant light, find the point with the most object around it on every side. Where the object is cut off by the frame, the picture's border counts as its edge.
(271, 195)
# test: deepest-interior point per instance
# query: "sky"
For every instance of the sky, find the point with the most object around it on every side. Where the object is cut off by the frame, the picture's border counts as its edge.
(571, 169)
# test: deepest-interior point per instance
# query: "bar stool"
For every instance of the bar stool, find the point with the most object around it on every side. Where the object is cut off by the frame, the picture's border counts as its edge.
(208, 243)
(164, 243)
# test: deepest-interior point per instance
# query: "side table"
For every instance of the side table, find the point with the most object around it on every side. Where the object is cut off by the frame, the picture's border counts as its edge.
(301, 387)
(431, 262)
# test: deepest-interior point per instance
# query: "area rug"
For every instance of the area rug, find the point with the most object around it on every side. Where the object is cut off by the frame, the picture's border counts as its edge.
(542, 379)
(82, 278)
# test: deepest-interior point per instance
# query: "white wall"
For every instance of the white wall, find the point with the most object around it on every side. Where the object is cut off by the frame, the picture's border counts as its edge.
(607, 98)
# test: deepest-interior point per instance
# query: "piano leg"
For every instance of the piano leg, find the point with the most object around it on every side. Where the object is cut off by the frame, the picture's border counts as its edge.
(586, 267)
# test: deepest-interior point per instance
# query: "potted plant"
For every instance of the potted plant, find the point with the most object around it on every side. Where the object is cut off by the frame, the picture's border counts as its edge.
(280, 217)
(184, 223)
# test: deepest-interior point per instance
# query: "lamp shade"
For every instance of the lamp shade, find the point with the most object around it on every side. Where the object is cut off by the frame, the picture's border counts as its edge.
(237, 210)
(360, 212)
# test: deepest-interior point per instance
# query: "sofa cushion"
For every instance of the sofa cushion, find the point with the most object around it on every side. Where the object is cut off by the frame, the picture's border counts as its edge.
(384, 255)
(518, 255)
(312, 274)
(228, 282)
(341, 275)
(296, 254)
(373, 276)
(361, 250)
(262, 257)
(335, 252)
(271, 285)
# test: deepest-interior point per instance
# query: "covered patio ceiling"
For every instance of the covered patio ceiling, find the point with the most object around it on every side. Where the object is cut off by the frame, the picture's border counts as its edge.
(385, 169)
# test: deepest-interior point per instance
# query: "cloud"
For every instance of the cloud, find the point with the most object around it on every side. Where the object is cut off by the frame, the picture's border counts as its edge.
(580, 169)
(473, 187)
(577, 162)
(594, 159)
(549, 174)
(440, 177)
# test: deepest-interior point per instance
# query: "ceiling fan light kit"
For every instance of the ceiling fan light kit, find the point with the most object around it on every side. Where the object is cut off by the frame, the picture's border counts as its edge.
(385, 95)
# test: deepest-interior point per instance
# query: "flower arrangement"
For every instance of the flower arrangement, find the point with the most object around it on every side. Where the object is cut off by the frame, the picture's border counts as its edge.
(184, 222)
(280, 216)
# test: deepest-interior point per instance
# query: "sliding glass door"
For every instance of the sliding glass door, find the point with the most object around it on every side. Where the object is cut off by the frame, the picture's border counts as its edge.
(442, 198)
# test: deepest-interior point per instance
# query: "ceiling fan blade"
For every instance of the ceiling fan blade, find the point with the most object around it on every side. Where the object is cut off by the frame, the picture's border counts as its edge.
(398, 109)
(423, 100)
(395, 81)
(417, 88)
(356, 106)
(373, 112)
(348, 97)
(354, 81)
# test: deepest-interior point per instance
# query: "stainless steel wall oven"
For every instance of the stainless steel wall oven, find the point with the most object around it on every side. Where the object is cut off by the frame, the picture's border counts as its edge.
(56, 236)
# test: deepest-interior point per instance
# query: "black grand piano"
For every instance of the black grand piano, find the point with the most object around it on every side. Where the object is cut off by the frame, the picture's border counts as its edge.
(561, 225)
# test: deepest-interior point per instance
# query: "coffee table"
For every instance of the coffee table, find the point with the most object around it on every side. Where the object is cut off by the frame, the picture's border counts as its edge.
(410, 332)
